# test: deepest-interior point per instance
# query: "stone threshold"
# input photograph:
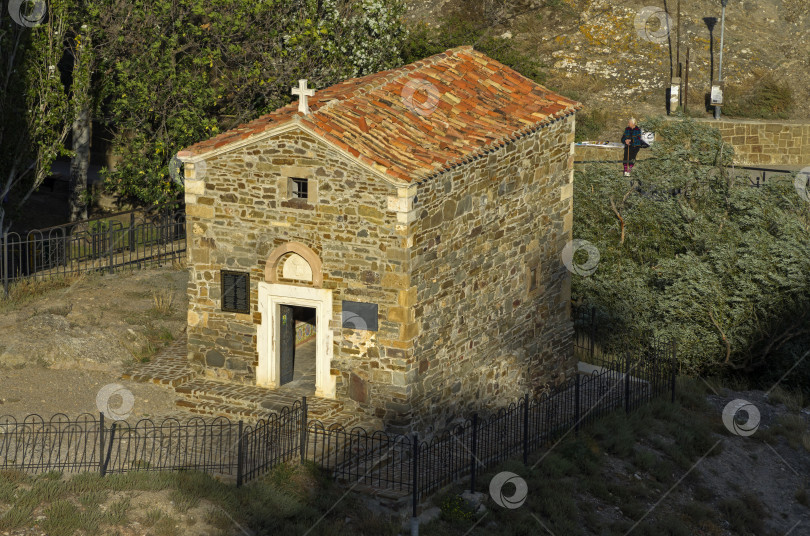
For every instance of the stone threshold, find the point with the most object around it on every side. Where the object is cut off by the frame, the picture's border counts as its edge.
(202, 396)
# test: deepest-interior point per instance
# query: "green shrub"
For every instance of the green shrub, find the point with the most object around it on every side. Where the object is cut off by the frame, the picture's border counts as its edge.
(764, 97)
(745, 514)
(592, 124)
(455, 508)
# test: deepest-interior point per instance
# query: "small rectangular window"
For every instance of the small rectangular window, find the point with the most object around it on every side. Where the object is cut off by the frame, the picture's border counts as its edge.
(300, 189)
(533, 279)
(235, 291)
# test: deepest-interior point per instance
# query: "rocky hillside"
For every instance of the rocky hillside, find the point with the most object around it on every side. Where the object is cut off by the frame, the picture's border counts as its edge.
(614, 55)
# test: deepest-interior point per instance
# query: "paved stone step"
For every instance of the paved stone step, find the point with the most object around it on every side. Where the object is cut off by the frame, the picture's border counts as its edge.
(169, 367)
(233, 412)
(248, 396)
(215, 397)
(220, 410)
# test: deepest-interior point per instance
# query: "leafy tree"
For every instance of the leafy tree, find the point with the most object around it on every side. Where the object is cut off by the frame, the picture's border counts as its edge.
(82, 97)
(33, 104)
(195, 68)
(687, 252)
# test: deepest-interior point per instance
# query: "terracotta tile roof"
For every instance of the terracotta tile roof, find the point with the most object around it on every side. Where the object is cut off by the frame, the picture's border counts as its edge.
(478, 104)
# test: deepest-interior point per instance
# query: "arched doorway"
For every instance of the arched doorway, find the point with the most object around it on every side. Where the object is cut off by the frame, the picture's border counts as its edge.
(291, 291)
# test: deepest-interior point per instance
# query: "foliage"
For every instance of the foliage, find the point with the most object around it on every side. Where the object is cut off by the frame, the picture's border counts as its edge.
(196, 68)
(688, 253)
(455, 508)
(591, 124)
(34, 104)
(764, 97)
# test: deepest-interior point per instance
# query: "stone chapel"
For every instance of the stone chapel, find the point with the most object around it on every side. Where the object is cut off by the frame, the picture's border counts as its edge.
(393, 240)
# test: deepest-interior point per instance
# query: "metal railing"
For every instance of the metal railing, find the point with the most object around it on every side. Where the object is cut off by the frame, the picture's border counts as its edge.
(747, 178)
(91, 443)
(377, 458)
(91, 245)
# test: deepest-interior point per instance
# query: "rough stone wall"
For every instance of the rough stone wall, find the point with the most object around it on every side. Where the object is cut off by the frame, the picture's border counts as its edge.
(773, 143)
(484, 337)
(239, 212)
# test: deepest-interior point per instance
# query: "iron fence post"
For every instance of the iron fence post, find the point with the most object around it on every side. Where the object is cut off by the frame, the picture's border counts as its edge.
(673, 364)
(577, 410)
(627, 383)
(415, 475)
(110, 246)
(240, 456)
(592, 334)
(303, 434)
(5, 264)
(526, 429)
(101, 467)
(473, 451)
(131, 231)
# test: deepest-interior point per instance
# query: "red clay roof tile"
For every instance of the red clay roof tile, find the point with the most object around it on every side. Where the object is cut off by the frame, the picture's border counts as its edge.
(471, 105)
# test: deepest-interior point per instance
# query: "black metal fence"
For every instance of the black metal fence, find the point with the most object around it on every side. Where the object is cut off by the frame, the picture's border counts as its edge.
(406, 464)
(622, 379)
(92, 443)
(134, 238)
(377, 459)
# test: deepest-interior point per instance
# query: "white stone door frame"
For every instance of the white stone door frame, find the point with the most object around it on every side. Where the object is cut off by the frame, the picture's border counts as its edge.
(271, 297)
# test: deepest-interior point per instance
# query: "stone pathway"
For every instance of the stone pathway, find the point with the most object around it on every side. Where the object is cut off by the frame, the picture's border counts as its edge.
(170, 367)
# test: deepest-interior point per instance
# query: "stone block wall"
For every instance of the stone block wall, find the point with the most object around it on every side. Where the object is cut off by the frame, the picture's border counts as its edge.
(450, 262)
(758, 143)
(484, 333)
(239, 212)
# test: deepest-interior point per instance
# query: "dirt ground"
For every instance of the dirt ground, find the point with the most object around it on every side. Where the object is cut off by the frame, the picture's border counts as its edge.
(58, 350)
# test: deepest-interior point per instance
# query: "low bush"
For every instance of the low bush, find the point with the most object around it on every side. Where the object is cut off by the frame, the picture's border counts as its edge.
(761, 97)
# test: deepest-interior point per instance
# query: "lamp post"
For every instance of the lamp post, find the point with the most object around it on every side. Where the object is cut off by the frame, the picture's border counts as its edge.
(720, 66)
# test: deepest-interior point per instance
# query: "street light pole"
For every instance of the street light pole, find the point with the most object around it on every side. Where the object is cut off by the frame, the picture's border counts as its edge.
(720, 66)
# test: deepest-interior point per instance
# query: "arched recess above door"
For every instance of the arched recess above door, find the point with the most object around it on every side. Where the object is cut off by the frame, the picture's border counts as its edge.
(275, 257)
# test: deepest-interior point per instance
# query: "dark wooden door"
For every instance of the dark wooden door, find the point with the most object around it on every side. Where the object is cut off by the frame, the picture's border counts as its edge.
(287, 348)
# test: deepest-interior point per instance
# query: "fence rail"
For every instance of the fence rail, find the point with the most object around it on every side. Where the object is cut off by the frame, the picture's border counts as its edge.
(92, 443)
(104, 244)
(752, 176)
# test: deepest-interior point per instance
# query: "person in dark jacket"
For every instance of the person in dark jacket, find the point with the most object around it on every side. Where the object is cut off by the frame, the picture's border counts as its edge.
(632, 144)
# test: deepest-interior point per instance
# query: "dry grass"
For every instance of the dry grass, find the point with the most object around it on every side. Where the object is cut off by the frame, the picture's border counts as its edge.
(579, 86)
(22, 292)
(762, 97)
(163, 301)
(793, 399)
(90, 505)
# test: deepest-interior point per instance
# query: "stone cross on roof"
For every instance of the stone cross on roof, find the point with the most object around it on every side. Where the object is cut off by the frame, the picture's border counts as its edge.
(303, 93)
